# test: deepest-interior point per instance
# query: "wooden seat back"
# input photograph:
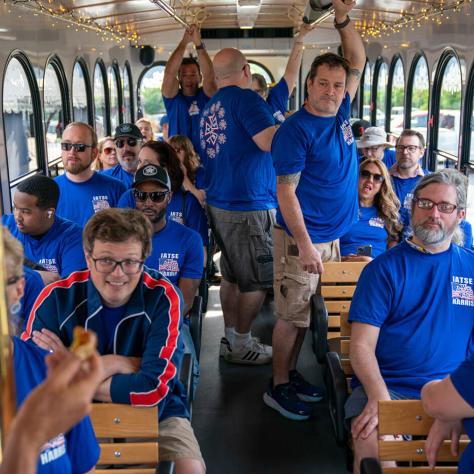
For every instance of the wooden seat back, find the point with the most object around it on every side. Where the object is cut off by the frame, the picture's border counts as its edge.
(113, 425)
(407, 417)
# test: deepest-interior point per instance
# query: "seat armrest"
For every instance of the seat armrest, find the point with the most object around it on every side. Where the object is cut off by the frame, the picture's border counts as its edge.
(370, 466)
(195, 324)
(165, 467)
(319, 328)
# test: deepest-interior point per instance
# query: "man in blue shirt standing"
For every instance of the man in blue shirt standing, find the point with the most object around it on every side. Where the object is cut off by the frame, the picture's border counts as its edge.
(412, 312)
(83, 191)
(184, 99)
(128, 141)
(236, 133)
(316, 166)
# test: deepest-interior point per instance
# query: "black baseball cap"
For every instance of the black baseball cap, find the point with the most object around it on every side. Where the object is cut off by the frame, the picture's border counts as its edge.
(128, 130)
(152, 173)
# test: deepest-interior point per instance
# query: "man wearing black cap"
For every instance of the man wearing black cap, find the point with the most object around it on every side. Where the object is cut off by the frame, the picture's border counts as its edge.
(128, 141)
(177, 250)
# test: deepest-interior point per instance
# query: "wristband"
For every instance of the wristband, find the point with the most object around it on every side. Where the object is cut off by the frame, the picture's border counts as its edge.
(340, 26)
(201, 46)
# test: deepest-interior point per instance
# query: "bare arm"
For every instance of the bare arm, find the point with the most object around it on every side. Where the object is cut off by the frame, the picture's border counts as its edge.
(352, 46)
(170, 86)
(48, 277)
(441, 400)
(364, 339)
(264, 138)
(296, 55)
(293, 217)
(209, 85)
(189, 288)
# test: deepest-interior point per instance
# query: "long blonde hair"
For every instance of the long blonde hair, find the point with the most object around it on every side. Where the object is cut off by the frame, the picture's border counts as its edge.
(97, 164)
(191, 159)
(385, 201)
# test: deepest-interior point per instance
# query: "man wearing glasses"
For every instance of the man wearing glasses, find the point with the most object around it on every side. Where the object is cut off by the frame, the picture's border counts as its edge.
(412, 310)
(407, 172)
(128, 141)
(136, 314)
(80, 183)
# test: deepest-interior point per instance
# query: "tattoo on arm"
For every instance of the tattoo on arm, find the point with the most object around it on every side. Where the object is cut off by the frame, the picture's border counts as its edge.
(289, 179)
(355, 73)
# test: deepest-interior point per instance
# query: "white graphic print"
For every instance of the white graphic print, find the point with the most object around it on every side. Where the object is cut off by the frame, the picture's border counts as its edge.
(347, 132)
(213, 126)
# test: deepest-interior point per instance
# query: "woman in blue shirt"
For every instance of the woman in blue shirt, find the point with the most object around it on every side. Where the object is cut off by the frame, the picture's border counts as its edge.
(378, 224)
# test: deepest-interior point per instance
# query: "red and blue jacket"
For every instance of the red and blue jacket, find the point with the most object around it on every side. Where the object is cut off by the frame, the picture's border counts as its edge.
(149, 329)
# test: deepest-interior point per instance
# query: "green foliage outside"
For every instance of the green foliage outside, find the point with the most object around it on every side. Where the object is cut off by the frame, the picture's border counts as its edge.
(153, 101)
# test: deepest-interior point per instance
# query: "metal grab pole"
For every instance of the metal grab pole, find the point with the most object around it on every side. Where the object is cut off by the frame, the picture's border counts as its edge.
(166, 8)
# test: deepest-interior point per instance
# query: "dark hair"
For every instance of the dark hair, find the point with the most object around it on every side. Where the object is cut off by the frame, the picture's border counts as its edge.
(168, 159)
(188, 61)
(191, 158)
(262, 83)
(408, 132)
(331, 60)
(44, 188)
(118, 225)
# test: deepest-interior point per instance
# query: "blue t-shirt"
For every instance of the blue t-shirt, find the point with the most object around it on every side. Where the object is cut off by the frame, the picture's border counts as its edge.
(183, 208)
(323, 150)
(184, 113)
(75, 452)
(463, 381)
(59, 250)
(389, 157)
(466, 228)
(423, 304)
(33, 286)
(79, 201)
(368, 230)
(119, 173)
(278, 100)
(239, 175)
(177, 252)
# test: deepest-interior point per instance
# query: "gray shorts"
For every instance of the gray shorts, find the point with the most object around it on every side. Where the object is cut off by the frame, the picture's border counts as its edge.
(245, 240)
(357, 400)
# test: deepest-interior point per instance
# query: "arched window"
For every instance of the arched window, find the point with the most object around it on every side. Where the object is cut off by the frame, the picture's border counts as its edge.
(21, 118)
(127, 94)
(81, 99)
(54, 107)
(114, 93)
(418, 95)
(367, 91)
(100, 101)
(397, 96)
(381, 94)
(258, 68)
(150, 100)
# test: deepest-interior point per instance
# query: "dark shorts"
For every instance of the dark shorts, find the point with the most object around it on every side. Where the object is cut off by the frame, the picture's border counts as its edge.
(245, 240)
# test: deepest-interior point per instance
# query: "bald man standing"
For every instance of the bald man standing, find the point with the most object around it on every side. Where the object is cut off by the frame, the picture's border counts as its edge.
(236, 133)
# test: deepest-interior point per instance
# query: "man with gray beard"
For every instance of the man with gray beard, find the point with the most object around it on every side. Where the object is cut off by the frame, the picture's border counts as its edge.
(83, 191)
(412, 312)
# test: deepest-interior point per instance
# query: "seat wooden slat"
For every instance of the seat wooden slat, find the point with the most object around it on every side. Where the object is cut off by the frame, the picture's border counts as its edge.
(127, 471)
(345, 272)
(345, 325)
(403, 417)
(345, 291)
(347, 367)
(334, 322)
(345, 344)
(112, 420)
(337, 306)
(334, 334)
(128, 453)
(415, 451)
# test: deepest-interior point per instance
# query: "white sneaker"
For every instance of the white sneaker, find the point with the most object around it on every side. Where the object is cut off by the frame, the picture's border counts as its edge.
(253, 353)
(225, 345)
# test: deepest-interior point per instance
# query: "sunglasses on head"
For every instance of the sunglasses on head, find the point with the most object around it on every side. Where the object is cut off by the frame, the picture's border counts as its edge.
(155, 196)
(131, 141)
(367, 174)
(108, 150)
(79, 147)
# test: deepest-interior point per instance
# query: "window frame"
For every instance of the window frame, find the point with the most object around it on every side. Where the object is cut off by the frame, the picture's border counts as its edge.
(118, 82)
(140, 106)
(466, 123)
(265, 68)
(375, 83)
(103, 70)
(391, 74)
(128, 70)
(87, 80)
(361, 87)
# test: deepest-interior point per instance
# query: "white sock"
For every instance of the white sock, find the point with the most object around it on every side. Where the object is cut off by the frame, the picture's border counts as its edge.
(240, 340)
(229, 334)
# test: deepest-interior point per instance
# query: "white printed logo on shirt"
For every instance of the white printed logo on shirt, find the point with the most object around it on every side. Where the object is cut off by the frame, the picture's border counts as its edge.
(100, 202)
(461, 289)
(213, 125)
(376, 222)
(177, 216)
(168, 264)
(49, 264)
(347, 132)
(193, 108)
(407, 201)
(279, 116)
(53, 449)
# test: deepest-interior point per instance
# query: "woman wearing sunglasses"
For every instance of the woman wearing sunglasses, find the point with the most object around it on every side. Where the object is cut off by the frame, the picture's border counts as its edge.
(107, 157)
(378, 226)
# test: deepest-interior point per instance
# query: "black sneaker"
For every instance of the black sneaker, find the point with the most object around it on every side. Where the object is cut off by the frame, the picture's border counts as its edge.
(284, 400)
(305, 391)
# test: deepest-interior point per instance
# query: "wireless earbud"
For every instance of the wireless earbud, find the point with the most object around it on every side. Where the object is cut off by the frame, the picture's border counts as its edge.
(50, 214)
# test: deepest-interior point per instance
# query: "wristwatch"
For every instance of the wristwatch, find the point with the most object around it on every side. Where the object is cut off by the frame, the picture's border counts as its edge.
(340, 26)
(201, 46)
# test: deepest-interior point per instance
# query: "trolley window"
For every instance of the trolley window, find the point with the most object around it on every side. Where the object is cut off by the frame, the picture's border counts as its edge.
(397, 97)
(100, 104)
(381, 95)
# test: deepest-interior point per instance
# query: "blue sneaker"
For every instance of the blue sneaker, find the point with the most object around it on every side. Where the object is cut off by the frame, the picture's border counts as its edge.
(305, 391)
(284, 400)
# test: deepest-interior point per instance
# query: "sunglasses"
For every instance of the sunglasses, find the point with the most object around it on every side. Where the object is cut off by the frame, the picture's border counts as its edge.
(367, 175)
(79, 147)
(131, 141)
(108, 150)
(155, 196)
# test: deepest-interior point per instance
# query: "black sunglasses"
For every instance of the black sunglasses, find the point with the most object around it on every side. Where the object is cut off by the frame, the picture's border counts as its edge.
(131, 141)
(367, 174)
(155, 196)
(79, 147)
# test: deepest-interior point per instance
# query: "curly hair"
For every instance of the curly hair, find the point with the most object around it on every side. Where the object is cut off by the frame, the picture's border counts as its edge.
(386, 201)
(191, 158)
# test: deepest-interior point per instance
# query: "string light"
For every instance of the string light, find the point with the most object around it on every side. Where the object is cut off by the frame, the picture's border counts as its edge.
(436, 13)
